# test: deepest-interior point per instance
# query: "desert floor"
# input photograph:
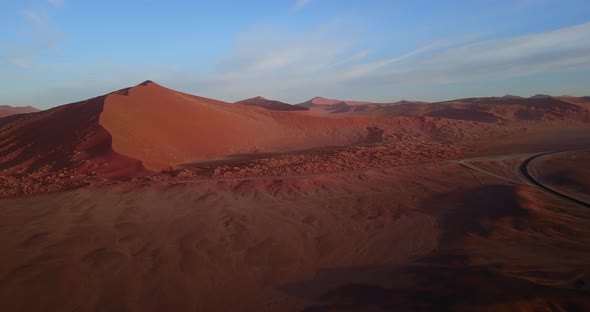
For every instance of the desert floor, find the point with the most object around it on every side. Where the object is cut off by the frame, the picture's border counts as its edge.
(471, 234)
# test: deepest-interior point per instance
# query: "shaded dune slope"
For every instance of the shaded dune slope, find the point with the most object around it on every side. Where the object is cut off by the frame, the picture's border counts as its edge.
(66, 138)
(583, 101)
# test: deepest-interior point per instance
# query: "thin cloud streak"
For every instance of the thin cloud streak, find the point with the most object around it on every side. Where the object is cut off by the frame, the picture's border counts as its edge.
(43, 37)
(34, 18)
(57, 3)
(263, 61)
(561, 49)
(21, 62)
(285, 65)
(363, 69)
(299, 4)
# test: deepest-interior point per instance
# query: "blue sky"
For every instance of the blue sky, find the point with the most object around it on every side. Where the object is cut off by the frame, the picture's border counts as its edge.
(59, 51)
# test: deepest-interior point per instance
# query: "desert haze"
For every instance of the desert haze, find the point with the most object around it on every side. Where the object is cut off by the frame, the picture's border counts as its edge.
(149, 199)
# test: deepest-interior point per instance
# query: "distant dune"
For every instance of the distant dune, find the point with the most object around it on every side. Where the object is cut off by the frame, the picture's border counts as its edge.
(271, 105)
(331, 106)
(324, 101)
(320, 101)
(6, 110)
(522, 109)
(540, 96)
(489, 109)
(583, 101)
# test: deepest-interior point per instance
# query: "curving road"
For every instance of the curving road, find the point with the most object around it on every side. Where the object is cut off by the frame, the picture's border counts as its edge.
(466, 163)
(525, 174)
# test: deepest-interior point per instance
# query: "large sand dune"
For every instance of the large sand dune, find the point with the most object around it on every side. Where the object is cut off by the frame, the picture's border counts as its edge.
(163, 127)
(150, 130)
(156, 128)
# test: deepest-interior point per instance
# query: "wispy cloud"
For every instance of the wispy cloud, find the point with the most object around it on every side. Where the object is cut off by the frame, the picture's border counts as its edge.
(289, 65)
(36, 19)
(433, 47)
(40, 36)
(561, 49)
(57, 3)
(299, 4)
(264, 60)
(20, 62)
(365, 68)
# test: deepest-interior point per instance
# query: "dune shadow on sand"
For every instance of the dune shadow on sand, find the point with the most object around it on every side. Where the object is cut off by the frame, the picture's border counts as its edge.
(443, 280)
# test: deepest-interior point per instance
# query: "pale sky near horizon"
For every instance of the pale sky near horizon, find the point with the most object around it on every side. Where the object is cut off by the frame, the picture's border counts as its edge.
(54, 52)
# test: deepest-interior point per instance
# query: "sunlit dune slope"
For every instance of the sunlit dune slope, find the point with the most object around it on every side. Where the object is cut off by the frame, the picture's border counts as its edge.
(163, 127)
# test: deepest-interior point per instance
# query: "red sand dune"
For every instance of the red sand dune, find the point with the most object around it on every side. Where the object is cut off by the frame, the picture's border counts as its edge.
(6, 110)
(94, 134)
(148, 127)
(157, 128)
(191, 128)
